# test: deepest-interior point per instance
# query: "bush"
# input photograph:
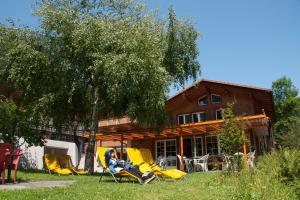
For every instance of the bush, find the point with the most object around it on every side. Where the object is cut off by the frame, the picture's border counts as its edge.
(283, 165)
(277, 177)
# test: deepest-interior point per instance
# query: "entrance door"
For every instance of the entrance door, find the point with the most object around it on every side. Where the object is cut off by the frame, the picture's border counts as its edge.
(193, 147)
(187, 147)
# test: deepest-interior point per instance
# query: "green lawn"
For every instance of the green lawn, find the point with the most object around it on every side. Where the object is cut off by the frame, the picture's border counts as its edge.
(210, 185)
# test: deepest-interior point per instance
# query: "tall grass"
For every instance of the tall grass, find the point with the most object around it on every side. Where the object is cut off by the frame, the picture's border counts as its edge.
(276, 177)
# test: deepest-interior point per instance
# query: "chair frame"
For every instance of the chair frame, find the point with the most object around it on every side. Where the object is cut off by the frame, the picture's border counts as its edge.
(54, 172)
(120, 174)
(187, 163)
(14, 163)
(202, 162)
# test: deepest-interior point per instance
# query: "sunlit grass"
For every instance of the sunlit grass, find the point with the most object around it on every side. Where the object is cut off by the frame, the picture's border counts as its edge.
(212, 185)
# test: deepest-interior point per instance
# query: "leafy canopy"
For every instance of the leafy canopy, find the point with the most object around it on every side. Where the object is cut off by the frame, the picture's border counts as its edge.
(287, 108)
(120, 48)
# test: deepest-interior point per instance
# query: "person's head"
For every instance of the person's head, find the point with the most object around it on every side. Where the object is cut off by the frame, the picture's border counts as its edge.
(112, 153)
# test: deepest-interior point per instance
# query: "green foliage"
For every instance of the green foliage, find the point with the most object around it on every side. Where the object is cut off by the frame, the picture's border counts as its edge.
(181, 52)
(283, 165)
(94, 59)
(292, 137)
(287, 108)
(231, 136)
(19, 122)
(251, 185)
(120, 48)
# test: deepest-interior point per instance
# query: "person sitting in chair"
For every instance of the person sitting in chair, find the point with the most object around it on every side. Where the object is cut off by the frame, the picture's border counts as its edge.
(116, 165)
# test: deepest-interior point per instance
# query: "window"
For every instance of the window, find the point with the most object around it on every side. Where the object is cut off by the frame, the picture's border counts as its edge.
(166, 149)
(185, 119)
(199, 117)
(188, 118)
(160, 149)
(219, 114)
(203, 101)
(198, 147)
(215, 98)
(181, 119)
(212, 145)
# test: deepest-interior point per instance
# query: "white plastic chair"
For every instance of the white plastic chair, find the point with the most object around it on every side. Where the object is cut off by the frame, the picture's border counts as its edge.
(250, 158)
(226, 163)
(162, 162)
(187, 163)
(202, 162)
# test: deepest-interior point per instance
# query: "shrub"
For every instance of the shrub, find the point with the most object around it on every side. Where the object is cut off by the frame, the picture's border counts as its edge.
(277, 177)
(284, 165)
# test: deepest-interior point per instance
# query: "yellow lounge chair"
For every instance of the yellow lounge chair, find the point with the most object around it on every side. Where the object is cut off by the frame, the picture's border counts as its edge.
(65, 162)
(52, 165)
(143, 158)
(148, 158)
(101, 155)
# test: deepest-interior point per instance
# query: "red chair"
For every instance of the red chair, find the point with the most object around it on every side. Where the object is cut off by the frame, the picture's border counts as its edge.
(6, 146)
(3, 159)
(13, 164)
(5, 149)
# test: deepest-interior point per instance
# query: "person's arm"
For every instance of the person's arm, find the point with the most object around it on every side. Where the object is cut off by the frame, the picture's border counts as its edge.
(111, 165)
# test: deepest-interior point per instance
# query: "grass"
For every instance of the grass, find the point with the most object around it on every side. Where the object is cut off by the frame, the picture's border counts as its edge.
(210, 185)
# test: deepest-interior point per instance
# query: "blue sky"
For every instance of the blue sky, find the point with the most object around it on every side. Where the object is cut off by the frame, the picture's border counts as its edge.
(250, 42)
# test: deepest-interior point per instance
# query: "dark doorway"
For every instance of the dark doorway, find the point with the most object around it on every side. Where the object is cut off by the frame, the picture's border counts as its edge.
(187, 147)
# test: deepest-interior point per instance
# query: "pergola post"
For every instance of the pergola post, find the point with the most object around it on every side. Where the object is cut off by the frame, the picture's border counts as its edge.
(181, 151)
(245, 152)
(245, 149)
(121, 154)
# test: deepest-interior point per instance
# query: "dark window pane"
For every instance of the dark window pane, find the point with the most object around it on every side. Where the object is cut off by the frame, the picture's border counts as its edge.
(202, 117)
(188, 118)
(215, 99)
(195, 117)
(219, 114)
(203, 101)
(180, 119)
(212, 145)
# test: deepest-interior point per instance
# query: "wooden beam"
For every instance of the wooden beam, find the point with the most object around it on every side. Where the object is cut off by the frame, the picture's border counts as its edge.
(181, 152)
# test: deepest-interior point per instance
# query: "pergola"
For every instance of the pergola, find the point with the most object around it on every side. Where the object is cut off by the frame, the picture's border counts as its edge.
(192, 129)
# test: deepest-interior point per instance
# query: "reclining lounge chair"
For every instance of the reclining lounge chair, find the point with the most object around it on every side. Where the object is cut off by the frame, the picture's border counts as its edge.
(65, 162)
(143, 158)
(101, 154)
(52, 164)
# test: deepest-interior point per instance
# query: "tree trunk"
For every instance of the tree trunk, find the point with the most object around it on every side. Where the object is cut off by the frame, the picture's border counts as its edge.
(89, 157)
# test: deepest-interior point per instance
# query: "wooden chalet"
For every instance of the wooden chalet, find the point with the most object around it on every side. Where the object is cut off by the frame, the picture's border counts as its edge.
(197, 114)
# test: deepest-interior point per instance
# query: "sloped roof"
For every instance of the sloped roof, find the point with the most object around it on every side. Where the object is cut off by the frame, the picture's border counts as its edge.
(221, 83)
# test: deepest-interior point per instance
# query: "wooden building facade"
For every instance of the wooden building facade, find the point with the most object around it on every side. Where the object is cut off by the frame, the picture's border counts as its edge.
(197, 113)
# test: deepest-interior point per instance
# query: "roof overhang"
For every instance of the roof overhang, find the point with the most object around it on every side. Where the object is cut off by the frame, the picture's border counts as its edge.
(191, 129)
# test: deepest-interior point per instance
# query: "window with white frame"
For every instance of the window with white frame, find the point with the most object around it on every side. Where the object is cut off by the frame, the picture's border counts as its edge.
(215, 98)
(212, 145)
(199, 117)
(185, 119)
(166, 149)
(160, 149)
(198, 147)
(203, 101)
(219, 114)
